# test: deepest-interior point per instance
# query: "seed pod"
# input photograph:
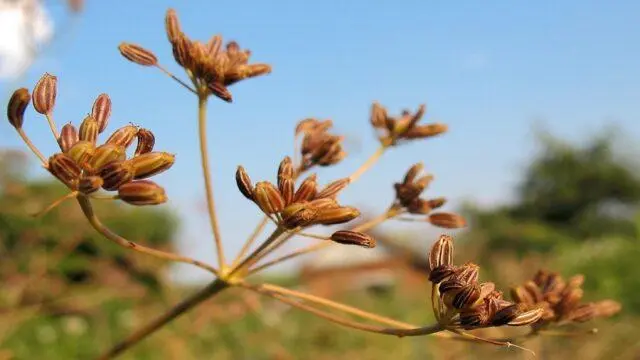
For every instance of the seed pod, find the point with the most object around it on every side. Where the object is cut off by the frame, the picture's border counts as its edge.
(474, 318)
(17, 106)
(323, 203)
(213, 45)
(332, 216)
(422, 183)
(520, 295)
(101, 111)
(287, 189)
(65, 169)
(570, 299)
(285, 170)
(268, 197)
(467, 273)
(411, 174)
(150, 164)
(441, 273)
(467, 297)
(137, 54)
(124, 136)
(305, 126)
(332, 189)
(527, 317)
(107, 153)
(146, 141)
(378, 115)
(244, 183)
(115, 174)
(607, 308)
(89, 130)
(68, 137)
(447, 220)
(441, 253)
(44, 94)
(82, 152)
(353, 238)
(437, 202)
(413, 120)
(506, 315)
(181, 52)
(90, 184)
(172, 25)
(425, 131)
(298, 215)
(307, 189)
(419, 207)
(142, 192)
(220, 91)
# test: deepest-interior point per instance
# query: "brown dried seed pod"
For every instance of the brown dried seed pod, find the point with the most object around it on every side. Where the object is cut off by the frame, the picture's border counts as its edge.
(298, 215)
(213, 45)
(68, 137)
(65, 169)
(285, 169)
(467, 297)
(441, 273)
(82, 152)
(332, 189)
(150, 164)
(527, 317)
(307, 189)
(146, 141)
(268, 197)
(107, 153)
(412, 173)
(142, 192)
(353, 238)
(323, 203)
(520, 295)
(115, 174)
(181, 50)
(332, 216)
(378, 115)
(441, 253)
(124, 136)
(416, 116)
(437, 202)
(447, 220)
(90, 184)
(17, 106)
(101, 111)
(244, 183)
(474, 318)
(287, 189)
(419, 207)
(305, 125)
(172, 25)
(137, 54)
(607, 308)
(506, 315)
(44, 94)
(220, 91)
(425, 131)
(89, 130)
(467, 273)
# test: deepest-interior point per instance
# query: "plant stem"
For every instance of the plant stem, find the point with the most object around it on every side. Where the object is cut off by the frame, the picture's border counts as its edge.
(252, 238)
(31, 146)
(52, 125)
(184, 84)
(56, 203)
(254, 256)
(212, 289)
(367, 164)
(87, 209)
(204, 156)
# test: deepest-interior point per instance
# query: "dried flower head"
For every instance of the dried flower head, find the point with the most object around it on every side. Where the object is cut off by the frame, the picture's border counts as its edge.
(318, 146)
(461, 301)
(17, 106)
(393, 130)
(560, 299)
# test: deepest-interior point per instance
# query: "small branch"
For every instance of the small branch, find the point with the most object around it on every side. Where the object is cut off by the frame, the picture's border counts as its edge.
(208, 183)
(184, 84)
(312, 236)
(490, 341)
(87, 209)
(54, 204)
(31, 146)
(212, 289)
(52, 125)
(250, 240)
(255, 255)
(367, 164)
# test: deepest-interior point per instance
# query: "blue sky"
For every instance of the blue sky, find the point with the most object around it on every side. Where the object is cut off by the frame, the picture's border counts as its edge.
(492, 71)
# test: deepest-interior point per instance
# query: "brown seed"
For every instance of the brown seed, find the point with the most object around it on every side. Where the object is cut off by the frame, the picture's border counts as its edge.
(101, 111)
(213, 45)
(124, 136)
(285, 170)
(378, 115)
(425, 131)
(244, 183)
(298, 215)
(437, 202)
(105, 154)
(441, 252)
(90, 184)
(287, 188)
(467, 273)
(353, 238)
(68, 137)
(527, 317)
(305, 125)
(142, 192)
(416, 116)
(332, 189)
(607, 308)
(520, 295)
(150, 164)
(419, 207)
(307, 189)
(268, 197)
(82, 152)
(412, 173)
(220, 91)
(323, 203)
(65, 169)
(146, 141)
(172, 25)
(474, 318)
(17, 106)
(467, 297)
(115, 174)
(89, 130)
(447, 220)
(332, 216)
(441, 273)
(506, 315)
(44, 94)
(137, 54)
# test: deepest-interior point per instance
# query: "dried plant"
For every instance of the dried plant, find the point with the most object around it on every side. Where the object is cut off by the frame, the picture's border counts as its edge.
(460, 302)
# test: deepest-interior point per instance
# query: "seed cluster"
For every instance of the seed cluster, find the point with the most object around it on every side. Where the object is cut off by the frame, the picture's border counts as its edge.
(318, 146)
(394, 130)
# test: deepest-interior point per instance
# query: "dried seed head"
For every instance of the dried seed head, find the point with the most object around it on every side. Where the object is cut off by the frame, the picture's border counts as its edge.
(17, 106)
(82, 152)
(298, 215)
(447, 220)
(65, 169)
(268, 197)
(124, 136)
(353, 238)
(441, 253)
(474, 318)
(44, 94)
(172, 25)
(307, 189)
(89, 130)
(332, 216)
(90, 184)
(146, 141)
(142, 192)
(467, 273)
(68, 137)
(115, 174)
(378, 115)
(332, 189)
(419, 207)
(441, 273)
(138, 54)
(150, 164)
(101, 111)
(244, 183)
(105, 154)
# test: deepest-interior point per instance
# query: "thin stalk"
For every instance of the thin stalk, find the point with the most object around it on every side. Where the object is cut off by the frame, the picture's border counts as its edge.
(212, 289)
(490, 341)
(252, 258)
(252, 238)
(56, 203)
(184, 84)
(31, 146)
(52, 125)
(367, 164)
(208, 183)
(87, 209)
